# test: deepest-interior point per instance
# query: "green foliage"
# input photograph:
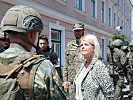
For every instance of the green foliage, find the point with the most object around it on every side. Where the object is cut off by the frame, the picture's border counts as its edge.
(118, 36)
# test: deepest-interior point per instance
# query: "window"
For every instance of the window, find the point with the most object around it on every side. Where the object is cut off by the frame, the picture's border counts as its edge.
(127, 12)
(125, 8)
(122, 5)
(118, 21)
(118, 2)
(103, 11)
(109, 43)
(110, 17)
(114, 20)
(125, 28)
(103, 48)
(80, 5)
(122, 26)
(57, 40)
(93, 4)
(94, 8)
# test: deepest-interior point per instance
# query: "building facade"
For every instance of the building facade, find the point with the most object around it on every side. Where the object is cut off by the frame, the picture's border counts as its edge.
(100, 17)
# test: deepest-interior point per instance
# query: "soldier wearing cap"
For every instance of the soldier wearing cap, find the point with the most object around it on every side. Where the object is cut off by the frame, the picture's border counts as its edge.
(4, 42)
(73, 58)
(23, 25)
(129, 68)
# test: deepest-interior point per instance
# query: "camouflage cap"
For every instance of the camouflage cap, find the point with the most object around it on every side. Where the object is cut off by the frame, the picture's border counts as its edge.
(78, 26)
(131, 44)
(22, 19)
(117, 43)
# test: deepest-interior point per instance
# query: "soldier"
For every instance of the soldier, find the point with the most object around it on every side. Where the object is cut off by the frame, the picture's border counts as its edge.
(73, 57)
(119, 59)
(4, 42)
(129, 68)
(23, 25)
(111, 66)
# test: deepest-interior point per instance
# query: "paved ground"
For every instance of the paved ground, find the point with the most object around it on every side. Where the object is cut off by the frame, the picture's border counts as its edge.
(125, 92)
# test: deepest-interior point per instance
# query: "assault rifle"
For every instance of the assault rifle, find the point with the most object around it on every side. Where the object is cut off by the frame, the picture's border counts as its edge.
(111, 50)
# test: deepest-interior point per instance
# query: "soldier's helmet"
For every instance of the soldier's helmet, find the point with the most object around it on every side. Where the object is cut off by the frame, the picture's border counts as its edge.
(78, 26)
(117, 43)
(22, 19)
(131, 44)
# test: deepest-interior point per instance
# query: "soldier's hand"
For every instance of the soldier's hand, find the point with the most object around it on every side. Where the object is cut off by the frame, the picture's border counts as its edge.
(65, 85)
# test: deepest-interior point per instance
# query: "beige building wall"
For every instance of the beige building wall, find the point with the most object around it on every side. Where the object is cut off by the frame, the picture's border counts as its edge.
(61, 14)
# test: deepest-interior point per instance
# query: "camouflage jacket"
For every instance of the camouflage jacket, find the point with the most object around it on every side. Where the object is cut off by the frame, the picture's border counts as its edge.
(119, 60)
(46, 82)
(129, 61)
(96, 83)
(111, 64)
(73, 60)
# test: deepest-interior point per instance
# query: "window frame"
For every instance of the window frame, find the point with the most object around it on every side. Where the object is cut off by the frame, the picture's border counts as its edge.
(56, 26)
(77, 5)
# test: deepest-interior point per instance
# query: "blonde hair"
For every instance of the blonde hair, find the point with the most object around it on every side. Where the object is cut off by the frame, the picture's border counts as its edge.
(92, 39)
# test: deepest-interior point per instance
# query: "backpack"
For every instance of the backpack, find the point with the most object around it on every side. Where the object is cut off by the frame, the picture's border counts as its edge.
(15, 79)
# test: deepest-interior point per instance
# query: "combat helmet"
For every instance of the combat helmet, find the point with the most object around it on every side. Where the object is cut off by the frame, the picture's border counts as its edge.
(131, 44)
(117, 43)
(21, 19)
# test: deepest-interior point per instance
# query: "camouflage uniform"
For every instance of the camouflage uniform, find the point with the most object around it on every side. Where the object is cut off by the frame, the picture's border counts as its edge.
(119, 58)
(129, 68)
(73, 60)
(111, 66)
(47, 84)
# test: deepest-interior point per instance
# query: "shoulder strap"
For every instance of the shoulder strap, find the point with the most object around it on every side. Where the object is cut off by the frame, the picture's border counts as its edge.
(24, 71)
(26, 61)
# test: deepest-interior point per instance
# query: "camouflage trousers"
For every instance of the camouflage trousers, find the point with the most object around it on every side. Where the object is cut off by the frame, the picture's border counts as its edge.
(114, 79)
(130, 78)
(119, 86)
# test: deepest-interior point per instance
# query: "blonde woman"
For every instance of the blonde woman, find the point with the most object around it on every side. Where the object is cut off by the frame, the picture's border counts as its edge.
(92, 82)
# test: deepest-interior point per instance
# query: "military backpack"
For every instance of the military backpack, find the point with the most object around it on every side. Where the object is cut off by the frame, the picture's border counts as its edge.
(17, 77)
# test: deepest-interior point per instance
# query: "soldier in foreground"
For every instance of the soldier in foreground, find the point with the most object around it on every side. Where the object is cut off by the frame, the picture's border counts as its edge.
(73, 58)
(129, 68)
(37, 77)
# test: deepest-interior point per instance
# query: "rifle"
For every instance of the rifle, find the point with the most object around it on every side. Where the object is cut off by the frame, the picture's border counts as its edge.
(111, 50)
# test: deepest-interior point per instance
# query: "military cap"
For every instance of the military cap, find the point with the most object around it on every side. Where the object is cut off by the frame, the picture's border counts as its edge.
(117, 43)
(131, 44)
(78, 26)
